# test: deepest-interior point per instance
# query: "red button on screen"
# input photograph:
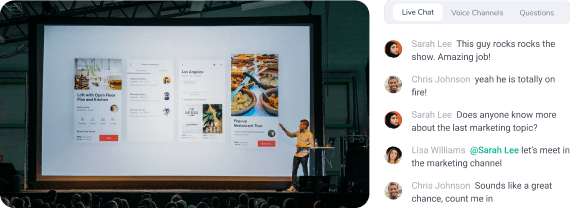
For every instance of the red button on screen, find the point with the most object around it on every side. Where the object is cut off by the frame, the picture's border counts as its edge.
(265, 143)
(109, 138)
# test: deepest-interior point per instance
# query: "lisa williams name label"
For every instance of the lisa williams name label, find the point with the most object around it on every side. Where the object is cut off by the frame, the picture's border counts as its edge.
(438, 150)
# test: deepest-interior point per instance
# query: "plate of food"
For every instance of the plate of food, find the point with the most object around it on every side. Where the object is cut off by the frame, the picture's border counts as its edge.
(248, 57)
(270, 101)
(238, 77)
(268, 80)
(243, 102)
(266, 56)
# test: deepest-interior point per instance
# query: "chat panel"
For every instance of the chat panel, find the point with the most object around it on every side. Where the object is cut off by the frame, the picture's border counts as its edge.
(471, 107)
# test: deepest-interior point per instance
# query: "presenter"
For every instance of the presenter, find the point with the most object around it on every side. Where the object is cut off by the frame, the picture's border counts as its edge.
(304, 142)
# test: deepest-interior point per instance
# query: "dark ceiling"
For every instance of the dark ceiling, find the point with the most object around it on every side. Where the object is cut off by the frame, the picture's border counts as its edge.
(15, 14)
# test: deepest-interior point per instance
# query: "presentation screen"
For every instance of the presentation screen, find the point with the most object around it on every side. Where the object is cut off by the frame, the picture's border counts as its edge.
(173, 100)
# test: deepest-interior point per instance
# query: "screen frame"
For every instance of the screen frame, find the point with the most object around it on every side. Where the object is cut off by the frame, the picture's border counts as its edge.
(36, 51)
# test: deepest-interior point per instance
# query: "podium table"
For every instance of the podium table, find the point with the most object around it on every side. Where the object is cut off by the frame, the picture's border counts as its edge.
(317, 177)
(322, 149)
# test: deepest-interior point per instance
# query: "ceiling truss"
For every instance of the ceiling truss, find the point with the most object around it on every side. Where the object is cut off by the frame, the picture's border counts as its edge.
(15, 15)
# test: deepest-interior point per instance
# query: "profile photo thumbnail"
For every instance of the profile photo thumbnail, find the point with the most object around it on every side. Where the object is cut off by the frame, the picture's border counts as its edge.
(393, 48)
(393, 155)
(393, 119)
(393, 190)
(114, 108)
(393, 84)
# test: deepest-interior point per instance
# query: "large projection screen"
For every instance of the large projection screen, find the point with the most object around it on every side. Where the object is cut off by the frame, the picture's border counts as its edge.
(172, 98)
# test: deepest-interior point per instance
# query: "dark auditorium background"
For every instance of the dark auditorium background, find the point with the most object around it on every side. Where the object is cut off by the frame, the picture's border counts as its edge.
(345, 54)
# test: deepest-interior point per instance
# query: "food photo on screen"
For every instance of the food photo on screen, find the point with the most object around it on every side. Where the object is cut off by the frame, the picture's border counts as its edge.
(254, 87)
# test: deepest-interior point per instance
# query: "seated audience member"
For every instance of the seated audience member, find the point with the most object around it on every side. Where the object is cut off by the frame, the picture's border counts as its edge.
(251, 202)
(320, 204)
(60, 206)
(202, 205)
(171, 205)
(51, 204)
(175, 198)
(6, 201)
(274, 206)
(215, 202)
(18, 202)
(78, 205)
(146, 196)
(86, 199)
(125, 203)
(119, 202)
(36, 203)
(75, 199)
(112, 204)
(228, 202)
(259, 201)
(96, 201)
(145, 204)
(26, 201)
(264, 205)
(243, 198)
(44, 205)
(191, 206)
(233, 203)
(181, 204)
(12, 201)
(206, 201)
(289, 203)
(51, 196)
(272, 201)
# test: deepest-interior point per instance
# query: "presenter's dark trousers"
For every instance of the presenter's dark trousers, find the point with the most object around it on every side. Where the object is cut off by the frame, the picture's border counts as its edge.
(296, 161)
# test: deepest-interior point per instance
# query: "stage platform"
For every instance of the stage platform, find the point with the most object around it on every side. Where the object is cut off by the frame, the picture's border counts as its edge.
(193, 196)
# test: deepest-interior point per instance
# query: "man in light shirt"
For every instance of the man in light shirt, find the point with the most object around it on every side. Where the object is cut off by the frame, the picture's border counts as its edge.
(304, 142)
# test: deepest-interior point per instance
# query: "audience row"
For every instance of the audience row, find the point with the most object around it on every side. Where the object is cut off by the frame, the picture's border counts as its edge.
(86, 200)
